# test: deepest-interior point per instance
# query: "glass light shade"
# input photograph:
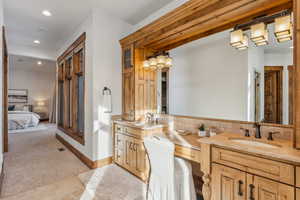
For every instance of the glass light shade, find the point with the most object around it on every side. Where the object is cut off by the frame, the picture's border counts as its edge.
(264, 41)
(283, 28)
(152, 62)
(244, 42)
(259, 33)
(169, 62)
(146, 63)
(236, 38)
(161, 61)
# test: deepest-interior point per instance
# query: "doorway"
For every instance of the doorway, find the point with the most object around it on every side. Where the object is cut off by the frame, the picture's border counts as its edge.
(273, 94)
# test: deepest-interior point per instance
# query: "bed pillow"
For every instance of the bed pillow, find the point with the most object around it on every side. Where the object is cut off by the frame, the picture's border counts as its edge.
(11, 107)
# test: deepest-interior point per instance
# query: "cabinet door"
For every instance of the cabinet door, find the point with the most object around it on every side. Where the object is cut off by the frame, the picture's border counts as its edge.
(228, 183)
(119, 149)
(141, 164)
(128, 96)
(265, 189)
(297, 193)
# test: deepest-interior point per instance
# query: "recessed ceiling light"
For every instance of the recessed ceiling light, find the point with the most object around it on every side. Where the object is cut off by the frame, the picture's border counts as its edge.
(291, 47)
(39, 63)
(36, 42)
(47, 13)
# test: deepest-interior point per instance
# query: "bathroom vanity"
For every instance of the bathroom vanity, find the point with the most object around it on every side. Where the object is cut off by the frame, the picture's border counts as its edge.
(249, 97)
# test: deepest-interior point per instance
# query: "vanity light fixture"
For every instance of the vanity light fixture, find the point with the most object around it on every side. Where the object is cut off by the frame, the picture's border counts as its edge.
(259, 34)
(39, 63)
(283, 28)
(158, 61)
(36, 42)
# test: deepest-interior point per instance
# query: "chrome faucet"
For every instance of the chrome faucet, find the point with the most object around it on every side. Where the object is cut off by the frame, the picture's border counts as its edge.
(149, 117)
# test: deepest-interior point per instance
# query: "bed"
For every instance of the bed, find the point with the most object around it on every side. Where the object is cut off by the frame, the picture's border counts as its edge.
(22, 119)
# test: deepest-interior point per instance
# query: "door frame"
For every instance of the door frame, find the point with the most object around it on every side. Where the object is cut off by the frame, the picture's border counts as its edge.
(280, 106)
(4, 91)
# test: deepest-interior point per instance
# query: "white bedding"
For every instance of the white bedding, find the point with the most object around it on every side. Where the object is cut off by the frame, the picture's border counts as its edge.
(22, 120)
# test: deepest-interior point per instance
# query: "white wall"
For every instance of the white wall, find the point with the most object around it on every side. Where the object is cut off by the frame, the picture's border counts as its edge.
(255, 64)
(154, 16)
(209, 79)
(102, 68)
(107, 70)
(40, 84)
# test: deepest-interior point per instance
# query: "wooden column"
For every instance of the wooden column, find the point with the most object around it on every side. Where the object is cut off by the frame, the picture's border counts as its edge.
(296, 7)
(206, 169)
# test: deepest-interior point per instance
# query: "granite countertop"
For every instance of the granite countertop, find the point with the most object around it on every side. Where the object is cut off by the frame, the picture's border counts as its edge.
(283, 153)
(140, 125)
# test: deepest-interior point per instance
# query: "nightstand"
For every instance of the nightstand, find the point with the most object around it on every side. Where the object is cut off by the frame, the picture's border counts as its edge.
(43, 116)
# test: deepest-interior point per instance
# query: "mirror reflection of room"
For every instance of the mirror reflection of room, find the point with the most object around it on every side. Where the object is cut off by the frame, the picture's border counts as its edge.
(212, 79)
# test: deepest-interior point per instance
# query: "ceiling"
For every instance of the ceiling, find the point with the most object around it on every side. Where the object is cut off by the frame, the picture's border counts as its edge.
(25, 22)
(30, 64)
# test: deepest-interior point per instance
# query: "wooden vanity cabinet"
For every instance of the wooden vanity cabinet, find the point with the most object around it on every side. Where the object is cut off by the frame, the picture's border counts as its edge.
(139, 84)
(129, 151)
(264, 189)
(237, 176)
(233, 184)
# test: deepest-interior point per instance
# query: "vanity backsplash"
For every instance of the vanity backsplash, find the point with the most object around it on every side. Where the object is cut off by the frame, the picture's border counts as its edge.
(192, 124)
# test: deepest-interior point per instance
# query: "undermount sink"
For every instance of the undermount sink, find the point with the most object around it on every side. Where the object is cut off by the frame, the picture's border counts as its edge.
(254, 143)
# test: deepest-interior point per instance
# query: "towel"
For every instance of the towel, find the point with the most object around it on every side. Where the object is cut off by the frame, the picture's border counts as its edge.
(107, 103)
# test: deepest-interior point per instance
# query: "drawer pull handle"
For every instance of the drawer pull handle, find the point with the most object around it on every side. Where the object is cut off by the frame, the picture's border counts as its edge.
(240, 193)
(251, 186)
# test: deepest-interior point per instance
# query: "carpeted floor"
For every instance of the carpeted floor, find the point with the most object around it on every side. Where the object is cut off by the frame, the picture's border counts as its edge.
(36, 170)
(33, 161)
(112, 183)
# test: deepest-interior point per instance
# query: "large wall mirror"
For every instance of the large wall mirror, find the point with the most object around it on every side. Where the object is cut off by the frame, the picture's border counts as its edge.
(210, 78)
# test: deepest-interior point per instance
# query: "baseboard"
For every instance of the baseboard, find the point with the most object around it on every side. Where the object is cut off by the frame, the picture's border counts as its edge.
(1, 178)
(91, 164)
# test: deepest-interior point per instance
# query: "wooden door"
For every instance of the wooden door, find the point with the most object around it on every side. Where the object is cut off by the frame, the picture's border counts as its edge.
(264, 189)
(228, 183)
(273, 95)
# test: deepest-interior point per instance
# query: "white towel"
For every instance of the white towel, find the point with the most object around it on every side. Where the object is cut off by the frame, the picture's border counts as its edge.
(107, 103)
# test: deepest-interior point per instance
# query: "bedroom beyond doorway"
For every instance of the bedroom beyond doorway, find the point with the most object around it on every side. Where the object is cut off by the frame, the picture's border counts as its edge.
(31, 87)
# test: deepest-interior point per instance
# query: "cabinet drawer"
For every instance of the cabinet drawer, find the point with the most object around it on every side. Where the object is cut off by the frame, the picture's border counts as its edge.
(263, 167)
(132, 131)
(187, 153)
